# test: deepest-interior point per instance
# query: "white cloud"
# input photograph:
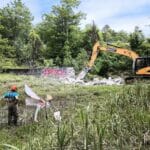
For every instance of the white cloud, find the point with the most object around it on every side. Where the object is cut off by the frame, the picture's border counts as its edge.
(37, 7)
(129, 23)
(108, 8)
(116, 13)
(109, 12)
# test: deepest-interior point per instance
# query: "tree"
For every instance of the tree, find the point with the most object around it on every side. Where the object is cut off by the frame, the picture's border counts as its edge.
(36, 46)
(145, 47)
(16, 21)
(107, 33)
(5, 49)
(67, 55)
(136, 38)
(91, 34)
(110, 35)
(122, 37)
(81, 60)
(60, 31)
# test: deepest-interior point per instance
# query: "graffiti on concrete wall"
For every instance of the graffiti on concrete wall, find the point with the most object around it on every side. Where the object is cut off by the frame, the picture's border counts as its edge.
(53, 72)
(58, 72)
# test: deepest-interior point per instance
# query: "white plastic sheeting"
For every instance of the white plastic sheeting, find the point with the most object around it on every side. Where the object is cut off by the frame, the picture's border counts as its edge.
(33, 99)
(30, 93)
(57, 116)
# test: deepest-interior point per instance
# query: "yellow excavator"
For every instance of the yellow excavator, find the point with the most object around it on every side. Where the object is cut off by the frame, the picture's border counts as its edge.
(141, 65)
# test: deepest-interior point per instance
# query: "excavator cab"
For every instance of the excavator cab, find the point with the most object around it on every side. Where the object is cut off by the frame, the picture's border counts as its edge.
(141, 66)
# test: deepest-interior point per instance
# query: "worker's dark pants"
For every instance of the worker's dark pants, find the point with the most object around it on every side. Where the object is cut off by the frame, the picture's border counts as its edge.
(12, 114)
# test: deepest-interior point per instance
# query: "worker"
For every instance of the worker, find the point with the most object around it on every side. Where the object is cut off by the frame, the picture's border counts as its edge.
(12, 100)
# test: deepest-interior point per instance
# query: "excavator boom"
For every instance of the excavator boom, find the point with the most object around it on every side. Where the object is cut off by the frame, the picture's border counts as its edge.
(145, 70)
(97, 47)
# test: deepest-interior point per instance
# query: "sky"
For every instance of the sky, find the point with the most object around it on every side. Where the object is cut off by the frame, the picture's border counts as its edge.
(118, 14)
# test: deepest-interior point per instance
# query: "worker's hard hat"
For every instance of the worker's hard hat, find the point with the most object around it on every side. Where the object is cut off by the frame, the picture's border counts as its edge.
(49, 97)
(13, 88)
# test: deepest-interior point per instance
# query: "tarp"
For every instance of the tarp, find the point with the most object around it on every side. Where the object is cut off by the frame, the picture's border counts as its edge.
(33, 100)
(30, 93)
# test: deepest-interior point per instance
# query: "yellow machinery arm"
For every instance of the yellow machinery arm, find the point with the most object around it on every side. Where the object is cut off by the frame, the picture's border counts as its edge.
(97, 47)
(142, 70)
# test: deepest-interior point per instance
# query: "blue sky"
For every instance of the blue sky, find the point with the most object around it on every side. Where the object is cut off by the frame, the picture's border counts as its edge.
(119, 14)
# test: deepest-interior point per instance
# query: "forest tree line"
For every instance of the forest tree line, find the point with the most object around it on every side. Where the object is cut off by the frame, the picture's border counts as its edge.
(60, 41)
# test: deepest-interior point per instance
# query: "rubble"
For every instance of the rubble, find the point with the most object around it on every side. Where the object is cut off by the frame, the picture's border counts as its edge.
(67, 76)
(95, 81)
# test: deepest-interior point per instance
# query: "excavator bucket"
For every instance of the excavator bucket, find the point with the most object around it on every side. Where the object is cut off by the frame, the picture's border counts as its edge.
(82, 74)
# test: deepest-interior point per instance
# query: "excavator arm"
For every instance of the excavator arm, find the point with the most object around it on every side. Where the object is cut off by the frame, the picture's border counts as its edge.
(97, 47)
(125, 52)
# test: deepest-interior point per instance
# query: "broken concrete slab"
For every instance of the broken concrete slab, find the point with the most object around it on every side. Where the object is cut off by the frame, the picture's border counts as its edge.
(95, 81)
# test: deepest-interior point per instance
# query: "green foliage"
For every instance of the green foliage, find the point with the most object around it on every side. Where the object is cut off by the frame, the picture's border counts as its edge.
(108, 63)
(16, 23)
(7, 63)
(121, 36)
(122, 44)
(59, 31)
(6, 50)
(67, 55)
(59, 41)
(91, 34)
(101, 66)
(36, 46)
(106, 30)
(110, 35)
(136, 38)
(48, 63)
(62, 136)
(145, 48)
(81, 60)
(94, 117)
(16, 20)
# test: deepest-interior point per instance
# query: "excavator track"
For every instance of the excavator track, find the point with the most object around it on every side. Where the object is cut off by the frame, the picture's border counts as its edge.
(133, 79)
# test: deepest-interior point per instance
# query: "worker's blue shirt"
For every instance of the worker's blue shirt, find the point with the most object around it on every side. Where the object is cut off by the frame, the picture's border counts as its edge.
(11, 95)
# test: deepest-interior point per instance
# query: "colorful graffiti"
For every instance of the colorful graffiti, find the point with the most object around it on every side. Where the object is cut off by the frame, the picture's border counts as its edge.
(53, 72)
(58, 72)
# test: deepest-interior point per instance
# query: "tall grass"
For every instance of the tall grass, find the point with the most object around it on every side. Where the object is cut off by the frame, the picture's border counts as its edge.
(93, 118)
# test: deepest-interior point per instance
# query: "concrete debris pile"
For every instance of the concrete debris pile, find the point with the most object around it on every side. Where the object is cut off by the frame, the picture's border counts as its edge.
(96, 81)
(67, 76)
(104, 81)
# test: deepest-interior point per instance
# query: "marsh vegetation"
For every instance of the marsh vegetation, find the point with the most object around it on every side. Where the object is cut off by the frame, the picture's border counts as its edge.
(93, 117)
